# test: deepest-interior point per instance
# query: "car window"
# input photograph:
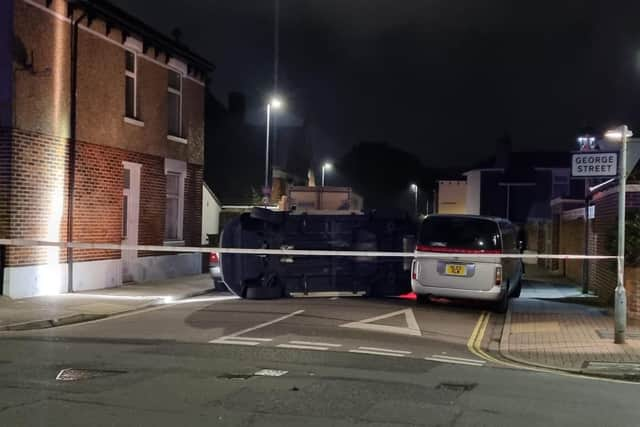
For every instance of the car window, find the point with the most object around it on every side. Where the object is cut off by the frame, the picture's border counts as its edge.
(509, 238)
(460, 233)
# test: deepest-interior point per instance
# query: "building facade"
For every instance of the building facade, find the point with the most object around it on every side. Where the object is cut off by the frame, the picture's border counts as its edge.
(101, 140)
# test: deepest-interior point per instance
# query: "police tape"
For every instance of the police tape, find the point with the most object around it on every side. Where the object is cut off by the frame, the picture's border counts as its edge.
(288, 251)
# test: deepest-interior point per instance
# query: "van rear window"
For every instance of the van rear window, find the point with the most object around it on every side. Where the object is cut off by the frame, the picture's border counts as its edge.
(460, 233)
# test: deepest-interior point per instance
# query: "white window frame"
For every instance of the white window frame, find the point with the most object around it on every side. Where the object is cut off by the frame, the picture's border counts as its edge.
(134, 75)
(179, 93)
(179, 168)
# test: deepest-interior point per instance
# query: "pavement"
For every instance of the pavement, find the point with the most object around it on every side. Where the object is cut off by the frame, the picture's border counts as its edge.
(554, 326)
(56, 310)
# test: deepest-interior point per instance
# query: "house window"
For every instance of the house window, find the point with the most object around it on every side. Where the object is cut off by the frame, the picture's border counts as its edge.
(130, 73)
(560, 184)
(175, 103)
(174, 207)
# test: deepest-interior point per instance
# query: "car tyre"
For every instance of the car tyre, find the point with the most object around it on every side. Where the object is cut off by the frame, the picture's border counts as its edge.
(422, 299)
(272, 292)
(518, 290)
(503, 305)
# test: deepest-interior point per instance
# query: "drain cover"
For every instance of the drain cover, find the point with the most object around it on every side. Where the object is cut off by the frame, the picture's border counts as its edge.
(73, 374)
(458, 387)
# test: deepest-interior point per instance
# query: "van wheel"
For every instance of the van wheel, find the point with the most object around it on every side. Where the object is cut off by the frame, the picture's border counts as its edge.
(518, 290)
(503, 305)
(422, 299)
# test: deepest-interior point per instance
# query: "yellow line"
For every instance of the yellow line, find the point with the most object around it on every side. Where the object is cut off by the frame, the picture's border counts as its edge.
(474, 344)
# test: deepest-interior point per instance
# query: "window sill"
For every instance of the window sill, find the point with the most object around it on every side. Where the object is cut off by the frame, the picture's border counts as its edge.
(173, 243)
(132, 121)
(177, 139)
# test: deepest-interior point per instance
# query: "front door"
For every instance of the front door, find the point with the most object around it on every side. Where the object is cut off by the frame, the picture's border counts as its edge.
(130, 215)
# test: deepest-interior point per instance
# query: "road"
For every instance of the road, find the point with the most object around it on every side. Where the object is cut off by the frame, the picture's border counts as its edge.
(339, 362)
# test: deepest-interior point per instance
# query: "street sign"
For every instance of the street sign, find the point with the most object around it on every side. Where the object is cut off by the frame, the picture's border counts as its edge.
(594, 164)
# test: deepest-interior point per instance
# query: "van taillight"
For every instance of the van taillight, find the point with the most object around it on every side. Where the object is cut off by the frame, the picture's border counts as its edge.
(446, 250)
(414, 271)
(213, 258)
(498, 276)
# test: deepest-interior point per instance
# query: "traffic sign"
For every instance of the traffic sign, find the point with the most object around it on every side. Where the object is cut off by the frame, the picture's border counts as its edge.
(594, 164)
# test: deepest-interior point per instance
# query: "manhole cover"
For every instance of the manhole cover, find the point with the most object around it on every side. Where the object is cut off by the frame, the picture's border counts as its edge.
(458, 387)
(73, 374)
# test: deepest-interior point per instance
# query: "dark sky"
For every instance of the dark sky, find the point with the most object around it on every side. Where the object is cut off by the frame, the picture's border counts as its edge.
(440, 78)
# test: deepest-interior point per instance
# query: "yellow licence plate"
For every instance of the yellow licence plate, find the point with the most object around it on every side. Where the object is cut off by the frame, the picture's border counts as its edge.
(456, 270)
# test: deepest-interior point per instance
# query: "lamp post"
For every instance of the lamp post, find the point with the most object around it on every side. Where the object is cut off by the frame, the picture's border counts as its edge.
(327, 166)
(414, 188)
(621, 134)
(274, 103)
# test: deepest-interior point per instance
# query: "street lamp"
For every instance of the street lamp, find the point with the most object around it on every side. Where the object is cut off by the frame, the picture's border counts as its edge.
(275, 103)
(414, 188)
(327, 166)
(621, 134)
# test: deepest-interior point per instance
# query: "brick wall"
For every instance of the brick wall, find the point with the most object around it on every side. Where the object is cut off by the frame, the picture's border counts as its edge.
(38, 205)
(572, 242)
(603, 273)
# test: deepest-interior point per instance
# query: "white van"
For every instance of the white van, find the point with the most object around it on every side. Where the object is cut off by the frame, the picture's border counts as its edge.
(463, 276)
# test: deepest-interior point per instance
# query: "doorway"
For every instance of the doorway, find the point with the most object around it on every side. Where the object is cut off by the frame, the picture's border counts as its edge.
(130, 217)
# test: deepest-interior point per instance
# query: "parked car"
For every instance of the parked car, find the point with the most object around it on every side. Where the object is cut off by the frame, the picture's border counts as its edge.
(216, 272)
(465, 276)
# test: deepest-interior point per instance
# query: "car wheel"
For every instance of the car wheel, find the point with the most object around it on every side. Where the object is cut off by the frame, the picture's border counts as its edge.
(503, 304)
(422, 299)
(518, 290)
(272, 292)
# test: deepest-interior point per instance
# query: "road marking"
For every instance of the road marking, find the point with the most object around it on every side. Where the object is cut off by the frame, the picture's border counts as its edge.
(367, 324)
(302, 347)
(253, 328)
(454, 361)
(270, 373)
(377, 353)
(462, 359)
(235, 336)
(328, 294)
(235, 342)
(384, 350)
(321, 344)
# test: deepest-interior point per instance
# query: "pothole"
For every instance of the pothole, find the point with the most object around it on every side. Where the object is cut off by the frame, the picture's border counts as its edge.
(457, 387)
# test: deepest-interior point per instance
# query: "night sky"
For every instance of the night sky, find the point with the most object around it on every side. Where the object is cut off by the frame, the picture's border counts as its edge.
(442, 79)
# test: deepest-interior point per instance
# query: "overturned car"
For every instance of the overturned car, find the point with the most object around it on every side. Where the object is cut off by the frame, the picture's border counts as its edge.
(259, 276)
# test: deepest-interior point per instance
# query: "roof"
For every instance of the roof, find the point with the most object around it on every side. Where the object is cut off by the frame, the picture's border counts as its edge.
(529, 160)
(130, 25)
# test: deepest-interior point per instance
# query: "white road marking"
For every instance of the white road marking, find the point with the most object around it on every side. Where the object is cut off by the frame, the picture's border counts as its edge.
(327, 294)
(462, 359)
(253, 328)
(367, 324)
(270, 373)
(377, 353)
(388, 350)
(453, 361)
(302, 347)
(252, 339)
(235, 342)
(321, 344)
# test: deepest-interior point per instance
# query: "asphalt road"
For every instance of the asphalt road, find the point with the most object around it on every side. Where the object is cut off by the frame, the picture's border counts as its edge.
(341, 362)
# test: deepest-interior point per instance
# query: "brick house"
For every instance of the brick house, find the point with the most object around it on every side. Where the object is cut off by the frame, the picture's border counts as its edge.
(121, 161)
